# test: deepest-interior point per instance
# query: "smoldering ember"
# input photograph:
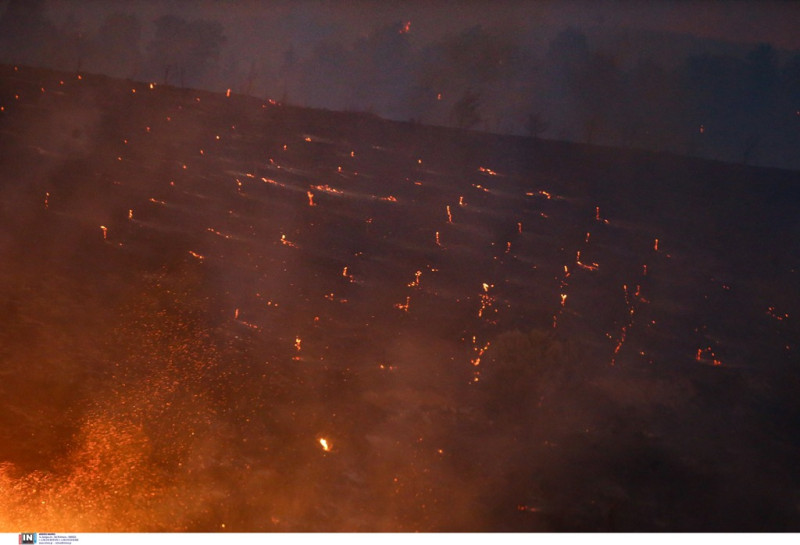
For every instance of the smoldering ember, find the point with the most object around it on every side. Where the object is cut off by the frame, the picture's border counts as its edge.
(228, 313)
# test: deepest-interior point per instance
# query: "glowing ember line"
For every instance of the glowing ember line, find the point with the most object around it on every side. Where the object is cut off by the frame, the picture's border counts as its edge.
(488, 171)
(479, 351)
(46, 199)
(325, 445)
(130, 213)
(196, 255)
(774, 314)
(310, 198)
(438, 243)
(403, 306)
(327, 189)
(219, 234)
(156, 201)
(449, 215)
(105, 232)
(712, 357)
(287, 242)
(415, 282)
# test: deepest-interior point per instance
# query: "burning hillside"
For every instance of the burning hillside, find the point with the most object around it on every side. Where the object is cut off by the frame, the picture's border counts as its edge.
(223, 314)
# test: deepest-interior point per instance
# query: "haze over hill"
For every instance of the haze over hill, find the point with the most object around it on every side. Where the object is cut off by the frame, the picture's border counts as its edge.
(226, 314)
(709, 79)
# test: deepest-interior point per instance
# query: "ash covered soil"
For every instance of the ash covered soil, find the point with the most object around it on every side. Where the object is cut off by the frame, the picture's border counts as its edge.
(226, 314)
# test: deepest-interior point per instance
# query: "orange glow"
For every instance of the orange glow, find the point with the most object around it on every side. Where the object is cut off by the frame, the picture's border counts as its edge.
(286, 242)
(415, 282)
(325, 188)
(655, 245)
(437, 239)
(219, 234)
(46, 199)
(403, 306)
(105, 232)
(519, 227)
(775, 314)
(298, 342)
(406, 28)
(563, 299)
(228, 93)
(449, 215)
(326, 446)
(488, 171)
(486, 300)
(310, 198)
(196, 255)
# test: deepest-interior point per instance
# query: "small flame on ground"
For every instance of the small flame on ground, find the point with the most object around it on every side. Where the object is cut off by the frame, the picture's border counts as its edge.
(326, 446)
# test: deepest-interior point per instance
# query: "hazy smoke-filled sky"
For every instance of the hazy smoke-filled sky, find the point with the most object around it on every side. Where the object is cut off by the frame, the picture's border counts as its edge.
(773, 22)
(686, 77)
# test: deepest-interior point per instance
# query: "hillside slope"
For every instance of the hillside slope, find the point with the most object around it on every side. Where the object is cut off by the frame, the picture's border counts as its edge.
(224, 314)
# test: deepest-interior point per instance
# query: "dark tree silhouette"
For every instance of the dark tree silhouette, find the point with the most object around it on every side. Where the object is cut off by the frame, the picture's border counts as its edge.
(184, 50)
(115, 48)
(465, 111)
